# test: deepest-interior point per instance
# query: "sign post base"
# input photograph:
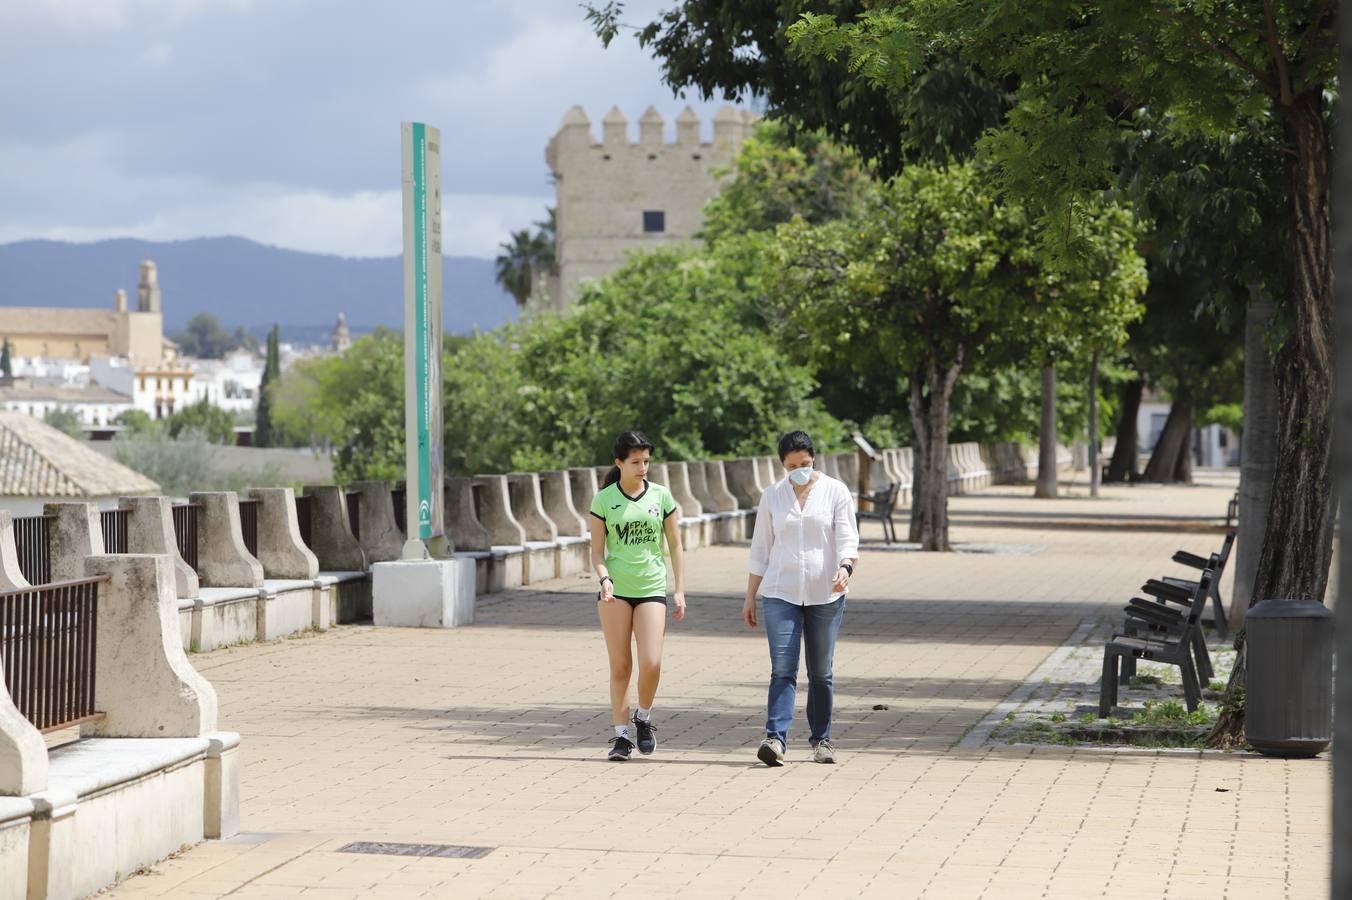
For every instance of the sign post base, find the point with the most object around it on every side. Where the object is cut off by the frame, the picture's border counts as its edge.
(423, 593)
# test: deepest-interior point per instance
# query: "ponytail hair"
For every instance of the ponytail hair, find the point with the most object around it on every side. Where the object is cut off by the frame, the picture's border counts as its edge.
(626, 443)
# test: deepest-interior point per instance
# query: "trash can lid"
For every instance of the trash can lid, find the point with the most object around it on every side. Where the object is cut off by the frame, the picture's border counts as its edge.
(1289, 609)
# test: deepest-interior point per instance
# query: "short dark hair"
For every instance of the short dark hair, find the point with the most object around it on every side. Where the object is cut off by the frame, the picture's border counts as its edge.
(795, 441)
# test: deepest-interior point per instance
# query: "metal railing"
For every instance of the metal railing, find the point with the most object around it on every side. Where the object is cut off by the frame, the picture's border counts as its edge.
(353, 499)
(48, 650)
(248, 524)
(185, 532)
(304, 519)
(114, 525)
(32, 540)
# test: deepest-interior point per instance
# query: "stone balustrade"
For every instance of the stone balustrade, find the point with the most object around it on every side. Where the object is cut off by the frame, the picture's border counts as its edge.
(153, 746)
(379, 535)
(521, 528)
(11, 577)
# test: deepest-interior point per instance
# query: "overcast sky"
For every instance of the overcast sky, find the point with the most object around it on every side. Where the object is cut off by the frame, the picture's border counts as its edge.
(278, 120)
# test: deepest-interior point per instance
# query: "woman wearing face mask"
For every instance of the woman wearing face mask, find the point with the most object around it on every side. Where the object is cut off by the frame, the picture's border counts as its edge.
(803, 554)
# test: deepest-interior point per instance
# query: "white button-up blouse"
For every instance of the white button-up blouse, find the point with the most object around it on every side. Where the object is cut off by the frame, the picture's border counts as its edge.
(798, 549)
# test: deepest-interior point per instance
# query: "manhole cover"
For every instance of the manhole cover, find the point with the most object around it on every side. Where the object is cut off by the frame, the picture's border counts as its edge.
(444, 851)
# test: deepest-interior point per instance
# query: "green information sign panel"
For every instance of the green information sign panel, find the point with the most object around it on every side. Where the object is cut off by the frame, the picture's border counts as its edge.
(422, 329)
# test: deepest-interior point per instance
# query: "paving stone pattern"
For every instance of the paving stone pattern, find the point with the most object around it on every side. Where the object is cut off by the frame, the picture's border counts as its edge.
(492, 736)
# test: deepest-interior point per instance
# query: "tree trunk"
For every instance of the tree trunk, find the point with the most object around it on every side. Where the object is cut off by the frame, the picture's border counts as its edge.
(919, 406)
(929, 506)
(1342, 742)
(1122, 467)
(1301, 511)
(1257, 452)
(1175, 441)
(1046, 438)
(1093, 428)
(1183, 464)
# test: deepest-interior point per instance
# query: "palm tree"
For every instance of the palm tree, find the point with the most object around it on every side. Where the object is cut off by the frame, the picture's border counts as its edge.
(524, 256)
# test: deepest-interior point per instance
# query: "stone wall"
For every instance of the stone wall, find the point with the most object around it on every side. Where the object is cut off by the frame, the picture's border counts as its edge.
(603, 189)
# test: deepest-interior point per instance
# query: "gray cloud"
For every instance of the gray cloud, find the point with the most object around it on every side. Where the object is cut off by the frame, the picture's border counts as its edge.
(278, 119)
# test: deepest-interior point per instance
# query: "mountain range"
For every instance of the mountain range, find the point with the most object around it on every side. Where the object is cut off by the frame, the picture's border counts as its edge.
(243, 283)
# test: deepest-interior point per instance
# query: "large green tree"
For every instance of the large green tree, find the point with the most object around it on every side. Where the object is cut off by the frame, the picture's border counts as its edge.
(1220, 66)
(737, 50)
(935, 278)
(353, 402)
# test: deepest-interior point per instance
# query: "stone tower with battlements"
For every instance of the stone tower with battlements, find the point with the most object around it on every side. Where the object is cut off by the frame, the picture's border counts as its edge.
(615, 195)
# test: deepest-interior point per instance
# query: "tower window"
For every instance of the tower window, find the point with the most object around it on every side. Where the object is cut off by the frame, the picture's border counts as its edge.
(654, 220)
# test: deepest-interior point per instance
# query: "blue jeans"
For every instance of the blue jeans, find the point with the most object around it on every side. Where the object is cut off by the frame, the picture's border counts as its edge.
(788, 625)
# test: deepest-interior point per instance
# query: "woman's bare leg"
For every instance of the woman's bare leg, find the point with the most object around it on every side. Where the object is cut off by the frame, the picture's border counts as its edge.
(617, 624)
(650, 627)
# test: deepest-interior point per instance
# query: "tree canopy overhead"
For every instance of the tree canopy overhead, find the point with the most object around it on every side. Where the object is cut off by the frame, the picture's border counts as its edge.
(933, 277)
(740, 50)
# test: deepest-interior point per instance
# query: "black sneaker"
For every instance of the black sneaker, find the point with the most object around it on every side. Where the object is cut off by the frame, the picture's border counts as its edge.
(621, 748)
(647, 740)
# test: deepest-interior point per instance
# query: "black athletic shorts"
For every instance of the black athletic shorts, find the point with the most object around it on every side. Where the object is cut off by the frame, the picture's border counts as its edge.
(635, 601)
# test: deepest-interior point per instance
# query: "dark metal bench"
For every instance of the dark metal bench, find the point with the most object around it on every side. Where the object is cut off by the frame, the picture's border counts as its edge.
(1155, 618)
(883, 502)
(1220, 622)
(1175, 648)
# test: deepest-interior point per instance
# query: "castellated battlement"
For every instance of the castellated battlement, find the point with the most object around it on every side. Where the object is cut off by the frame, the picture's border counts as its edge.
(619, 194)
(730, 127)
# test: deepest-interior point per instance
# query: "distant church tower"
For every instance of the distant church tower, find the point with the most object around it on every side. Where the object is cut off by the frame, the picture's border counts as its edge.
(615, 196)
(342, 338)
(148, 293)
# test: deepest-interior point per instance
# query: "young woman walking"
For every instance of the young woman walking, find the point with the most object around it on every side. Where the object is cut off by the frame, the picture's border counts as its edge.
(629, 517)
(803, 553)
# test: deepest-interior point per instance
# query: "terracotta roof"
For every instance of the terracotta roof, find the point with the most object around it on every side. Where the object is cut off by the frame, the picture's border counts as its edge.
(37, 460)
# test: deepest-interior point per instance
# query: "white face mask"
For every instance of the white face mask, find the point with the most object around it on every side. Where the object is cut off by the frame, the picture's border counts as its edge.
(801, 476)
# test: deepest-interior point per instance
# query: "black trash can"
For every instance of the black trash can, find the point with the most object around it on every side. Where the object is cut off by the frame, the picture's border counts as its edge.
(1288, 696)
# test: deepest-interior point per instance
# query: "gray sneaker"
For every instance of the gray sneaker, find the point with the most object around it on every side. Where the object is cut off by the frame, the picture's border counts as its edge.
(823, 752)
(771, 752)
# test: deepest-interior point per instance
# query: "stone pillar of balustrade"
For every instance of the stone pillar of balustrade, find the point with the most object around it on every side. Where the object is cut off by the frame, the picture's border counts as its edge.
(744, 481)
(76, 533)
(11, 577)
(222, 558)
(331, 537)
(377, 531)
(495, 511)
(150, 529)
(679, 475)
(467, 533)
(721, 498)
(143, 682)
(585, 484)
(528, 508)
(281, 551)
(699, 485)
(556, 494)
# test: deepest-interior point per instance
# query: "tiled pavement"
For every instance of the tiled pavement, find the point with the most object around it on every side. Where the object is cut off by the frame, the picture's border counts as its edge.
(492, 736)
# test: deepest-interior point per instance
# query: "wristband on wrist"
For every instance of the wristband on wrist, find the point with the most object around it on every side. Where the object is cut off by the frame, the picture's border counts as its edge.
(605, 578)
(849, 569)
